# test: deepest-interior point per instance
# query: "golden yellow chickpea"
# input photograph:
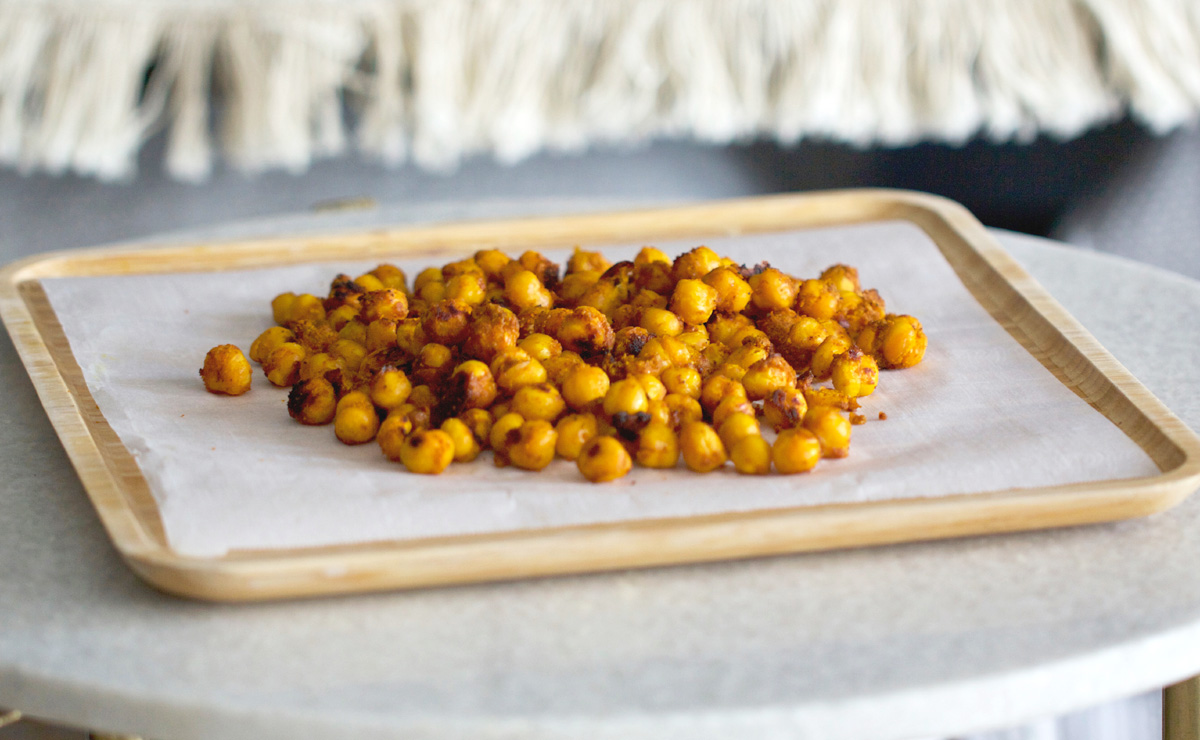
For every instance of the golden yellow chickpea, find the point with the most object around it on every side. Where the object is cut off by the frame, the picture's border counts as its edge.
(520, 374)
(660, 322)
(768, 375)
(388, 303)
(491, 262)
(647, 255)
(524, 290)
(282, 366)
(626, 396)
(466, 446)
(533, 448)
(433, 364)
(470, 288)
(795, 451)
(342, 315)
(701, 446)
(728, 407)
(574, 431)
(539, 401)
(390, 276)
(559, 366)
(681, 409)
(902, 342)
(736, 427)
(540, 346)
(719, 387)
(349, 353)
(784, 408)
(306, 307)
(427, 276)
(604, 459)
(356, 422)
(428, 451)
(682, 380)
(658, 446)
(855, 373)
(312, 401)
(822, 360)
(281, 307)
(226, 371)
(479, 421)
(586, 331)
(266, 342)
(589, 261)
(695, 264)
(693, 301)
(818, 299)
(381, 334)
(504, 431)
(584, 386)
(842, 277)
(772, 289)
(354, 331)
(471, 386)
(751, 455)
(831, 429)
(447, 322)
(655, 390)
(318, 365)
(648, 299)
(390, 387)
(733, 292)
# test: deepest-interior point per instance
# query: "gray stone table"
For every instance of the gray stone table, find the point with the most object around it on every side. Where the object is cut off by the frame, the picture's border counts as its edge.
(892, 642)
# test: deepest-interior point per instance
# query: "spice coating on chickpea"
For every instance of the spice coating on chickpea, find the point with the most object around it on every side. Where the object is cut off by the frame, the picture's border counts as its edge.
(831, 429)
(702, 448)
(356, 421)
(751, 455)
(429, 451)
(604, 459)
(226, 371)
(795, 451)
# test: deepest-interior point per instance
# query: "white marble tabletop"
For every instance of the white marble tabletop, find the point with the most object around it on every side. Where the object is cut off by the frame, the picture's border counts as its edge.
(891, 642)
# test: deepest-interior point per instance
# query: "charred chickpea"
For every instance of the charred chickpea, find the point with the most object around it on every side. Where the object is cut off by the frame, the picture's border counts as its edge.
(266, 342)
(574, 431)
(693, 301)
(226, 371)
(471, 386)
(466, 446)
(587, 331)
(428, 452)
(657, 446)
(795, 451)
(584, 386)
(533, 446)
(751, 455)
(831, 429)
(312, 402)
(356, 421)
(388, 303)
(733, 292)
(447, 322)
(494, 329)
(282, 366)
(784, 408)
(604, 459)
(702, 449)
(772, 289)
(736, 427)
(539, 401)
(855, 373)
(390, 387)
(818, 299)
(627, 396)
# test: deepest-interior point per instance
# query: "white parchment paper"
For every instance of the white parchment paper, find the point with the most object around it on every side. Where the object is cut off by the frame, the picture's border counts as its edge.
(979, 414)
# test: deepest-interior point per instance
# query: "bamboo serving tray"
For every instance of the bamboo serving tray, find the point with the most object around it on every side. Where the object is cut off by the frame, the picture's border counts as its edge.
(122, 498)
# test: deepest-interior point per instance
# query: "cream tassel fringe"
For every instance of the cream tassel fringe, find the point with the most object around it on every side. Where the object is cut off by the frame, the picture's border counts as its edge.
(84, 84)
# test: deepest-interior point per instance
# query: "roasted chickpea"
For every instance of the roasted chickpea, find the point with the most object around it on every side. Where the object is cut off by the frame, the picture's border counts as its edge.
(702, 449)
(349, 353)
(494, 329)
(539, 401)
(388, 303)
(559, 366)
(519, 374)
(768, 375)
(355, 331)
(226, 371)
(356, 421)
(647, 255)
(581, 261)
(902, 342)
(655, 390)
(504, 431)
(533, 447)
(540, 346)
(312, 401)
(314, 336)
(319, 365)
(433, 365)
(733, 292)
(693, 301)
(771, 289)
(574, 431)
(695, 264)
(281, 307)
(306, 307)
(479, 421)
(282, 366)
(584, 386)
(587, 332)
(604, 459)
(428, 452)
(423, 396)
(818, 299)
(822, 360)
(751, 455)
(831, 429)
(737, 426)
(680, 409)
(795, 451)
(719, 387)
(683, 380)
(381, 334)
(524, 290)
(392, 432)
(390, 387)
(658, 446)
(730, 406)
(471, 386)
(266, 342)
(391, 276)
(626, 396)
(784, 408)
(466, 446)
(855, 373)
(660, 322)
(842, 277)
(447, 322)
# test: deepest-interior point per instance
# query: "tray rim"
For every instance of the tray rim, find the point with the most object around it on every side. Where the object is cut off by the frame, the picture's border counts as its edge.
(1041, 325)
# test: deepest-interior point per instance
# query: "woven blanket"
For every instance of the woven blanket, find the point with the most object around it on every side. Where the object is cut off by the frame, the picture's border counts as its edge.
(277, 83)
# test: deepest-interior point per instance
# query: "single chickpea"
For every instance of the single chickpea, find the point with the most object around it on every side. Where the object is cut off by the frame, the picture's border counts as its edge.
(855, 373)
(520, 374)
(312, 401)
(795, 451)
(831, 429)
(784, 408)
(702, 449)
(751, 455)
(626, 396)
(681, 409)
(655, 390)
(683, 380)
(491, 261)
(778, 324)
(648, 299)
(818, 299)
(226, 371)
(391, 276)
(355, 331)
(470, 288)
(349, 352)
(390, 387)
(388, 303)
(342, 315)
(574, 431)
(494, 329)
(736, 427)
(822, 360)
(604, 459)
(648, 255)
(695, 264)
(266, 342)
(524, 290)
(504, 432)
(842, 277)
(729, 407)
(427, 276)
(560, 365)
(902, 342)
(533, 448)
(772, 289)
(306, 307)
(447, 322)
(434, 364)
(660, 322)
(479, 421)
(471, 386)
(539, 401)
(356, 421)
(590, 261)
(466, 446)
(428, 452)
(282, 366)
(719, 387)
(540, 346)
(369, 282)
(584, 386)
(693, 301)
(733, 292)
(658, 446)
(586, 331)
(768, 375)
(281, 307)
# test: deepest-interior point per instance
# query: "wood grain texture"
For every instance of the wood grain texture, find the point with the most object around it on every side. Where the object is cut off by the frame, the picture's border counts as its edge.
(1005, 290)
(1181, 710)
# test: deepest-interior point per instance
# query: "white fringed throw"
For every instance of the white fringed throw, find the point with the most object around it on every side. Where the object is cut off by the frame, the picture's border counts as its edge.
(275, 84)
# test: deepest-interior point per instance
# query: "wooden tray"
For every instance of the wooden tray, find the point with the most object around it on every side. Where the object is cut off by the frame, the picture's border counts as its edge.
(121, 496)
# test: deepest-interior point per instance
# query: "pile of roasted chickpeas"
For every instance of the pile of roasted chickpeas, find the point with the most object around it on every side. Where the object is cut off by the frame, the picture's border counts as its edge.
(646, 361)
